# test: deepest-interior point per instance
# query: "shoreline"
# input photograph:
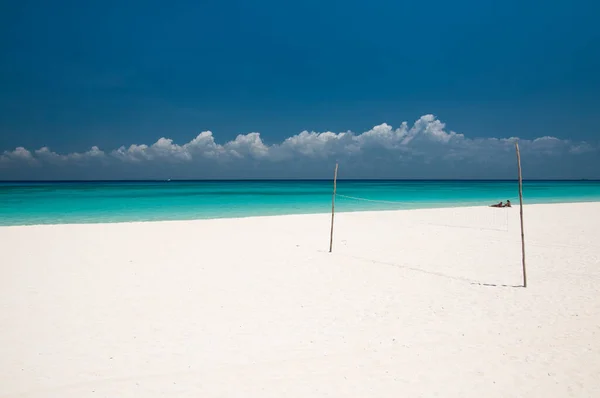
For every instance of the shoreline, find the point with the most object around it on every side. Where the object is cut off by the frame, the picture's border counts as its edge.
(466, 206)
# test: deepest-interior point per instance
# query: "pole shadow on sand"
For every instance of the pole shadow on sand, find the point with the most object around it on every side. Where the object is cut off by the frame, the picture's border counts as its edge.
(434, 273)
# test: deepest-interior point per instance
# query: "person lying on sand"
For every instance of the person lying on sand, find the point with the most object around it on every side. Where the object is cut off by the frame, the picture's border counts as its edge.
(507, 204)
(497, 205)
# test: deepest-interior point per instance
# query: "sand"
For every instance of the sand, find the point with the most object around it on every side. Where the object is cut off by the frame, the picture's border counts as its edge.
(418, 303)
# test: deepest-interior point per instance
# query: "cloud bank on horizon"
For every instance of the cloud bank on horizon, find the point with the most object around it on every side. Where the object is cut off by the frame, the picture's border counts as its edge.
(424, 150)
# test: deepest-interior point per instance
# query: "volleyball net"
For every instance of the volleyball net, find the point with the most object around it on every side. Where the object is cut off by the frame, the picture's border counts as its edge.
(453, 215)
(413, 240)
(471, 243)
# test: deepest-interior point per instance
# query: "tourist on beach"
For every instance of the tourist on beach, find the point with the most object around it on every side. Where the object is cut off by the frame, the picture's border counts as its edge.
(507, 204)
(497, 205)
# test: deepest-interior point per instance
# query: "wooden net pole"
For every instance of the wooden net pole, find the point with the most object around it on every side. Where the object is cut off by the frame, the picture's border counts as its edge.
(333, 207)
(521, 214)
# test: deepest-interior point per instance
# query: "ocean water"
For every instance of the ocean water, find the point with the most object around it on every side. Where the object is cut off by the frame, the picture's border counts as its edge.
(27, 203)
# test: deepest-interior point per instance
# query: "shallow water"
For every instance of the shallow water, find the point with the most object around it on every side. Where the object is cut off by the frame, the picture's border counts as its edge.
(25, 203)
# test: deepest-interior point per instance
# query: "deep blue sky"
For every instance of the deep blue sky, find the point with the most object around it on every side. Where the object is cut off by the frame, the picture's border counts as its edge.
(108, 73)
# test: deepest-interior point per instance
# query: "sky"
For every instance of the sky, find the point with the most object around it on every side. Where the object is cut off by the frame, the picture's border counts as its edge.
(270, 89)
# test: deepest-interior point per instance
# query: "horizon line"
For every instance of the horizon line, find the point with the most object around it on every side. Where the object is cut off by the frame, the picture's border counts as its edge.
(302, 179)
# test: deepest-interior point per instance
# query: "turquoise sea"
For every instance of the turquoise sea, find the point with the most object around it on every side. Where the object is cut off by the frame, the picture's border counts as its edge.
(26, 203)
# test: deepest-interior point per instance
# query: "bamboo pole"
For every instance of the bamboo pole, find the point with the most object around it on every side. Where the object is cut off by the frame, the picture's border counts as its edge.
(521, 214)
(333, 207)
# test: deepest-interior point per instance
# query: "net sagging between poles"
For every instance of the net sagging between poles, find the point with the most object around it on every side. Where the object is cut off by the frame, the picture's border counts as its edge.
(494, 219)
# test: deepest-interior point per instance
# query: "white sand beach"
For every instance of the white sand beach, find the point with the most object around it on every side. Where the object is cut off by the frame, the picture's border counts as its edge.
(418, 303)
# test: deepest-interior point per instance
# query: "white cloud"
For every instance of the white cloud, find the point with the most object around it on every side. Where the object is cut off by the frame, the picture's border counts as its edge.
(45, 154)
(204, 145)
(426, 143)
(582, 147)
(315, 145)
(93, 153)
(20, 154)
(248, 145)
(134, 153)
